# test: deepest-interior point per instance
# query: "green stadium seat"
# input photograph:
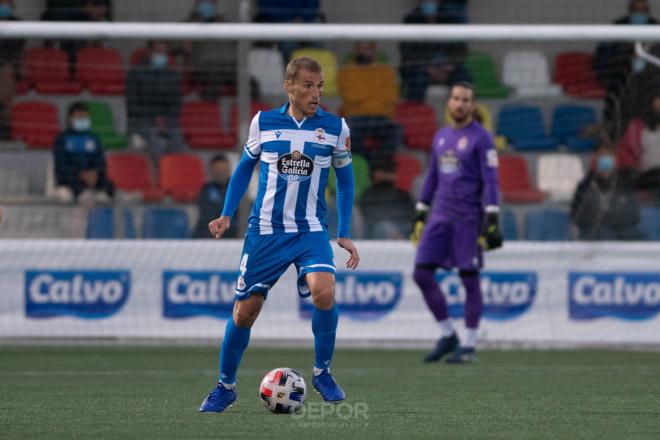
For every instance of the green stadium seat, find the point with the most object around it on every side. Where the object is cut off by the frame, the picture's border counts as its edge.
(484, 74)
(103, 125)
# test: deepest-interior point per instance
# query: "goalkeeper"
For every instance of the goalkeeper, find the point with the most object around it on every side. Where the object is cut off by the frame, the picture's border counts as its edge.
(461, 186)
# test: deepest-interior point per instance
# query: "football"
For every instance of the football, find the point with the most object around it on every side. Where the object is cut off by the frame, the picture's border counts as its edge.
(283, 390)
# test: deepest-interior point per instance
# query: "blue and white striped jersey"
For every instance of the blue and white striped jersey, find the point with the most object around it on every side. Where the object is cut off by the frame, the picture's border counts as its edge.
(294, 162)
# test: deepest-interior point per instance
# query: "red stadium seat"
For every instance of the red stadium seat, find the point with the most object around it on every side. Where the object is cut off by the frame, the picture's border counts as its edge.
(101, 70)
(574, 72)
(202, 126)
(181, 176)
(407, 169)
(419, 123)
(254, 108)
(35, 122)
(514, 181)
(131, 172)
(47, 70)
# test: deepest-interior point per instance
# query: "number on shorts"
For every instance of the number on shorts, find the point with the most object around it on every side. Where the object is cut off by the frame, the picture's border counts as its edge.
(243, 266)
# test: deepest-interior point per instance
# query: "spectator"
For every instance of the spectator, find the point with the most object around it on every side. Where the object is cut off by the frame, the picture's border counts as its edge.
(423, 63)
(10, 56)
(211, 65)
(153, 101)
(604, 205)
(616, 65)
(212, 198)
(369, 94)
(79, 158)
(388, 210)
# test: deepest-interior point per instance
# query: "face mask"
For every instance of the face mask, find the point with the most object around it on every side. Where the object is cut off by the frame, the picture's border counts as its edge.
(81, 124)
(159, 60)
(639, 18)
(429, 8)
(5, 11)
(605, 163)
(206, 10)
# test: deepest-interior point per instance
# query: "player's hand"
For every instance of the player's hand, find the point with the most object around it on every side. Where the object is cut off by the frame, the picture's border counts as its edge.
(491, 237)
(219, 226)
(418, 226)
(354, 259)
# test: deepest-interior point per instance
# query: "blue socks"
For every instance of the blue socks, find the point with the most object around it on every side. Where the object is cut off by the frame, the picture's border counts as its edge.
(324, 327)
(233, 345)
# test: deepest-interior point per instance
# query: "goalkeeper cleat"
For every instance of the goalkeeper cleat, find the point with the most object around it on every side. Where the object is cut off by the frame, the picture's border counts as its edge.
(462, 356)
(444, 346)
(219, 399)
(326, 386)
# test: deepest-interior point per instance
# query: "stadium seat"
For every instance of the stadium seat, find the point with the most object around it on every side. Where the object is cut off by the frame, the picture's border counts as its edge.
(568, 123)
(523, 127)
(165, 223)
(547, 225)
(559, 174)
(650, 222)
(35, 122)
(484, 74)
(254, 108)
(486, 118)
(181, 176)
(100, 224)
(131, 172)
(527, 72)
(509, 225)
(267, 67)
(103, 125)
(574, 72)
(101, 70)
(202, 126)
(514, 180)
(407, 170)
(362, 177)
(47, 70)
(328, 61)
(419, 122)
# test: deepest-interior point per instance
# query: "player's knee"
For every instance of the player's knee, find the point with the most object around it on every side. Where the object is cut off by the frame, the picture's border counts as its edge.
(245, 318)
(324, 297)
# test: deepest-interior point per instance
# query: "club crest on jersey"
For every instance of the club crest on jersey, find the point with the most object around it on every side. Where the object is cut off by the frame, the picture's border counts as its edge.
(320, 134)
(441, 142)
(295, 166)
(462, 143)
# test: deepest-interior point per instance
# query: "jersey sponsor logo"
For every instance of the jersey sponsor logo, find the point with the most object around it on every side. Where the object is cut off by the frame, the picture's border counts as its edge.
(198, 293)
(295, 166)
(623, 295)
(449, 162)
(507, 295)
(89, 294)
(363, 295)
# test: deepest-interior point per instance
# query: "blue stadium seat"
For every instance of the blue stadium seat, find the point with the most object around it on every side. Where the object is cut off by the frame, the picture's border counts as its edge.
(509, 225)
(650, 222)
(547, 225)
(568, 121)
(165, 223)
(523, 127)
(100, 224)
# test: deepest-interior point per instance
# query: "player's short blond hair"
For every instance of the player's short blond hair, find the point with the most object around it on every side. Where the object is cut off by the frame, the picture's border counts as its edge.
(301, 63)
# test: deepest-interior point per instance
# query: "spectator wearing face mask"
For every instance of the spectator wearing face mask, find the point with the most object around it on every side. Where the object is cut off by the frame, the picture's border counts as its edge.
(605, 206)
(212, 198)
(153, 101)
(10, 55)
(79, 158)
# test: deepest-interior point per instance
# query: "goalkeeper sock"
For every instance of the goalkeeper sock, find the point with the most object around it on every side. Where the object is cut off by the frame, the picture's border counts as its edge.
(233, 345)
(474, 303)
(324, 327)
(435, 300)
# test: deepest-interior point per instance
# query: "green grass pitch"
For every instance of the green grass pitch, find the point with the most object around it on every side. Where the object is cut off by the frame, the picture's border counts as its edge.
(154, 393)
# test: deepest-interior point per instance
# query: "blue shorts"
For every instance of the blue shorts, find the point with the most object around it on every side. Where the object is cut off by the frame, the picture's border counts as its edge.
(266, 257)
(451, 244)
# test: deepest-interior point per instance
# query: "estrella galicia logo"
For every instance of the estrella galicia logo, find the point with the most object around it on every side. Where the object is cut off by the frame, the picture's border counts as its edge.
(189, 293)
(623, 295)
(295, 166)
(507, 295)
(90, 294)
(362, 295)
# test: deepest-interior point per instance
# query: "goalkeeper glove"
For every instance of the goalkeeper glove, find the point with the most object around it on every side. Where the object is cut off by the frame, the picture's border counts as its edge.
(491, 238)
(418, 222)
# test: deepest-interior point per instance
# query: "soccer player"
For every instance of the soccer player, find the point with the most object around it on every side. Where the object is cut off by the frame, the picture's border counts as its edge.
(295, 146)
(461, 186)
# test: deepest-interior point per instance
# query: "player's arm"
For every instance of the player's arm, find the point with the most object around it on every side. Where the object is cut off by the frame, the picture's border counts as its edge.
(491, 237)
(342, 162)
(424, 203)
(240, 180)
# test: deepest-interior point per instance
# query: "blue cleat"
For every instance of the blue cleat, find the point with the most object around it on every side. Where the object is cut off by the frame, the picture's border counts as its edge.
(444, 346)
(325, 384)
(462, 356)
(218, 400)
